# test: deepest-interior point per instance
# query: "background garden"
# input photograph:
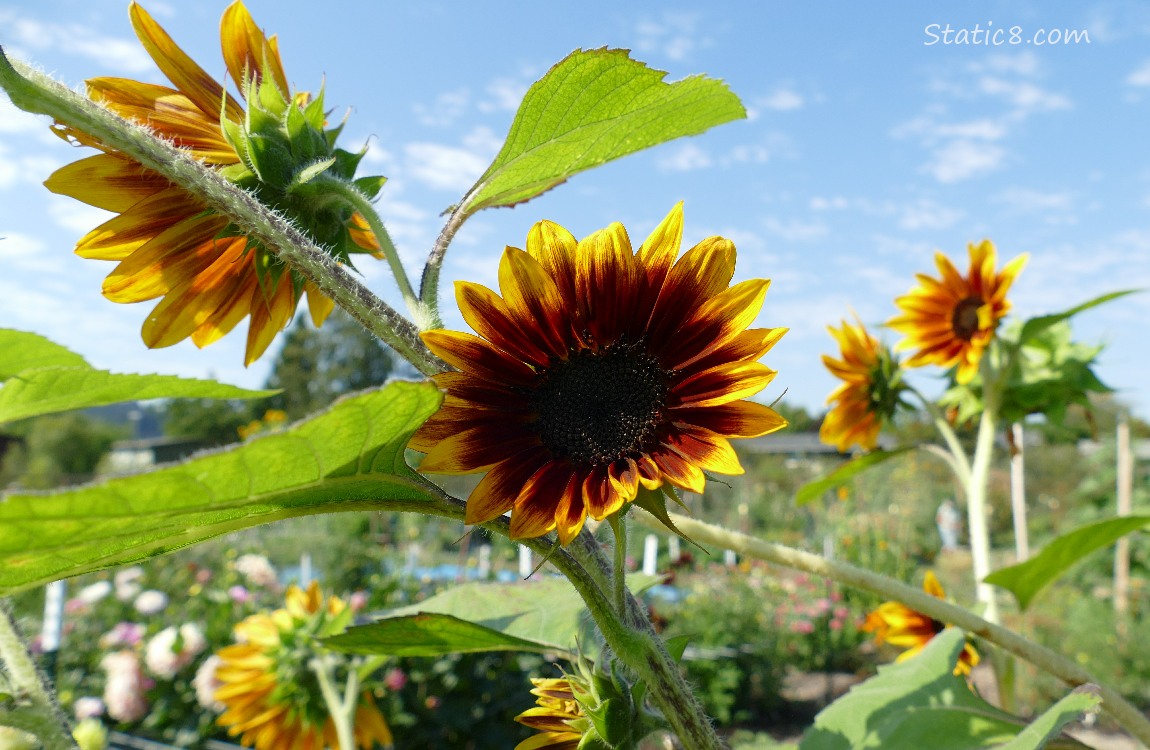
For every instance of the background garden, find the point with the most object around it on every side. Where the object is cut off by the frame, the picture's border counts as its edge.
(767, 649)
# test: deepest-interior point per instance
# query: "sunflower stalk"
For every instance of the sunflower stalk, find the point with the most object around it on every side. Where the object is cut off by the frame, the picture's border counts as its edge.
(976, 489)
(429, 282)
(341, 710)
(1129, 716)
(38, 93)
(34, 709)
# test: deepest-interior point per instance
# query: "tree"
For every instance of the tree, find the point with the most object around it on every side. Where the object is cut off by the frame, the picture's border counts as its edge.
(315, 367)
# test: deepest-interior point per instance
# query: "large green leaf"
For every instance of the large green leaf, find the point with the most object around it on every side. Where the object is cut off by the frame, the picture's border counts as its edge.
(544, 615)
(1038, 324)
(20, 350)
(916, 703)
(429, 634)
(42, 377)
(348, 458)
(1049, 725)
(590, 108)
(1026, 579)
(840, 476)
(31, 393)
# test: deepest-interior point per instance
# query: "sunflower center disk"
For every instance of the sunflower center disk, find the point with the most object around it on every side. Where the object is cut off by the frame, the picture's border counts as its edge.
(964, 321)
(600, 406)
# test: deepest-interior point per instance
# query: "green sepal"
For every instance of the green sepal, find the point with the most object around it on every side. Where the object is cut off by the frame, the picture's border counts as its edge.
(371, 185)
(234, 135)
(347, 162)
(310, 172)
(592, 741)
(307, 142)
(655, 503)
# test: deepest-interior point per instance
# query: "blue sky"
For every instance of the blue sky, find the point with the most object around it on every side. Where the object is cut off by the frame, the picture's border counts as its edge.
(867, 148)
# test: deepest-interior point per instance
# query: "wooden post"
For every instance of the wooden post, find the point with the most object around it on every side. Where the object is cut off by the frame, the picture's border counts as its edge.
(1018, 495)
(1125, 493)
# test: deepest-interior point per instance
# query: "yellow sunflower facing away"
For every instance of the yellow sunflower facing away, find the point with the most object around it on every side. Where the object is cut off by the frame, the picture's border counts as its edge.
(557, 716)
(870, 392)
(951, 320)
(599, 371)
(273, 700)
(166, 243)
(901, 626)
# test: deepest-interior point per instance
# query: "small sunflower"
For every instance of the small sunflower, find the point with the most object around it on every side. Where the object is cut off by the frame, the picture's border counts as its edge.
(901, 626)
(951, 320)
(870, 393)
(166, 242)
(557, 716)
(598, 372)
(273, 700)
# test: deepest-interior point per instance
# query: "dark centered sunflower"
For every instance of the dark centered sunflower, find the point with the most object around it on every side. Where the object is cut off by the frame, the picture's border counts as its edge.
(597, 371)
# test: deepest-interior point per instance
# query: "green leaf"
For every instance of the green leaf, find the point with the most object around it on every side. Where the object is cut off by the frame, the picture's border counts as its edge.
(20, 350)
(1026, 579)
(1048, 726)
(1037, 325)
(916, 703)
(848, 471)
(548, 614)
(31, 393)
(429, 634)
(590, 108)
(348, 458)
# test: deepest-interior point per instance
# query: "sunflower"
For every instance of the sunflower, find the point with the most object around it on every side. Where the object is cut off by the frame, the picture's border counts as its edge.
(273, 700)
(557, 716)
(901, 626)
(598, 374)
(870, 392)
(166, 242)
(952, 320)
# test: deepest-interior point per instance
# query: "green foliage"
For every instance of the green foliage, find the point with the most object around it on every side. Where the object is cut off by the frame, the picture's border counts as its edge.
(1083, 699)
(316, 366)
(845, 473)
(429, 634)
(64, 449)
(212, 422)
(41, 377)
(349, 458)
(1026, 579)
(592, 107)
(916, 703)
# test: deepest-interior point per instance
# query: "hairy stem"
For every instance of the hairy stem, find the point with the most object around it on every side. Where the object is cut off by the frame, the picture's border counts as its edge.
(976, 492)
(340, 711)
(429, 284)
(1065, 669)
(36, 711)
(35, 92)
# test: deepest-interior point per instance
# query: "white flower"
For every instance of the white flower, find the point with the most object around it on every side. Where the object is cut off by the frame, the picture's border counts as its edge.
(124, 687)
(127, 583)
(94, 592)
(258, 570)
(87, 707)
(151, 602)
(206, 685)
(165, 659)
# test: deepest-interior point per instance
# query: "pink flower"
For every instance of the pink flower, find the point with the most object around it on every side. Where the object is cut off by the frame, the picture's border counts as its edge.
(163, 657)
(87, 707)
(836, 624)
(123, 634)
(357, 601)
(124, 687)
(258, 571)
(802, 626)
(151, 602)
(841, 612)
(206, 685)
(239, 594)
(395, 679)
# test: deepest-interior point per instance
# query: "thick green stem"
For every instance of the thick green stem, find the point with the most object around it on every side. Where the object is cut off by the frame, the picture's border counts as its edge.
(619, 574)
(1065, 669)
(36, 711)
(341, 712)
(976, 488)
(958, 461)
(365, 208)
(429, 284)
(40, 94)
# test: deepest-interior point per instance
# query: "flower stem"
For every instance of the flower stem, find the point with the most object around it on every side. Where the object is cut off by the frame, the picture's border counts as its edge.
(35, 709)
(35, 92)
(429, 283)
(976, 487)
(1065, 669)
(341, 711)
(619, 574)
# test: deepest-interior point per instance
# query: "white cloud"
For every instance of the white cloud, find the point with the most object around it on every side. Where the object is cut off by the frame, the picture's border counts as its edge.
(1024, 96)
(834, 202)
(795, 230)
(686, 158)
(780, 100)
(504, 94)
(1025, 200)
(675, 35)
(76, 217)
(926, 214)
(454, 168)
(962, 160)
(28, 35)
(446, 109)
(1140, 76)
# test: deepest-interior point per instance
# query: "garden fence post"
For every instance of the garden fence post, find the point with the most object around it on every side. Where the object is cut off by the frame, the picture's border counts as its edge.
(1122, 551)
(1018, 495)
